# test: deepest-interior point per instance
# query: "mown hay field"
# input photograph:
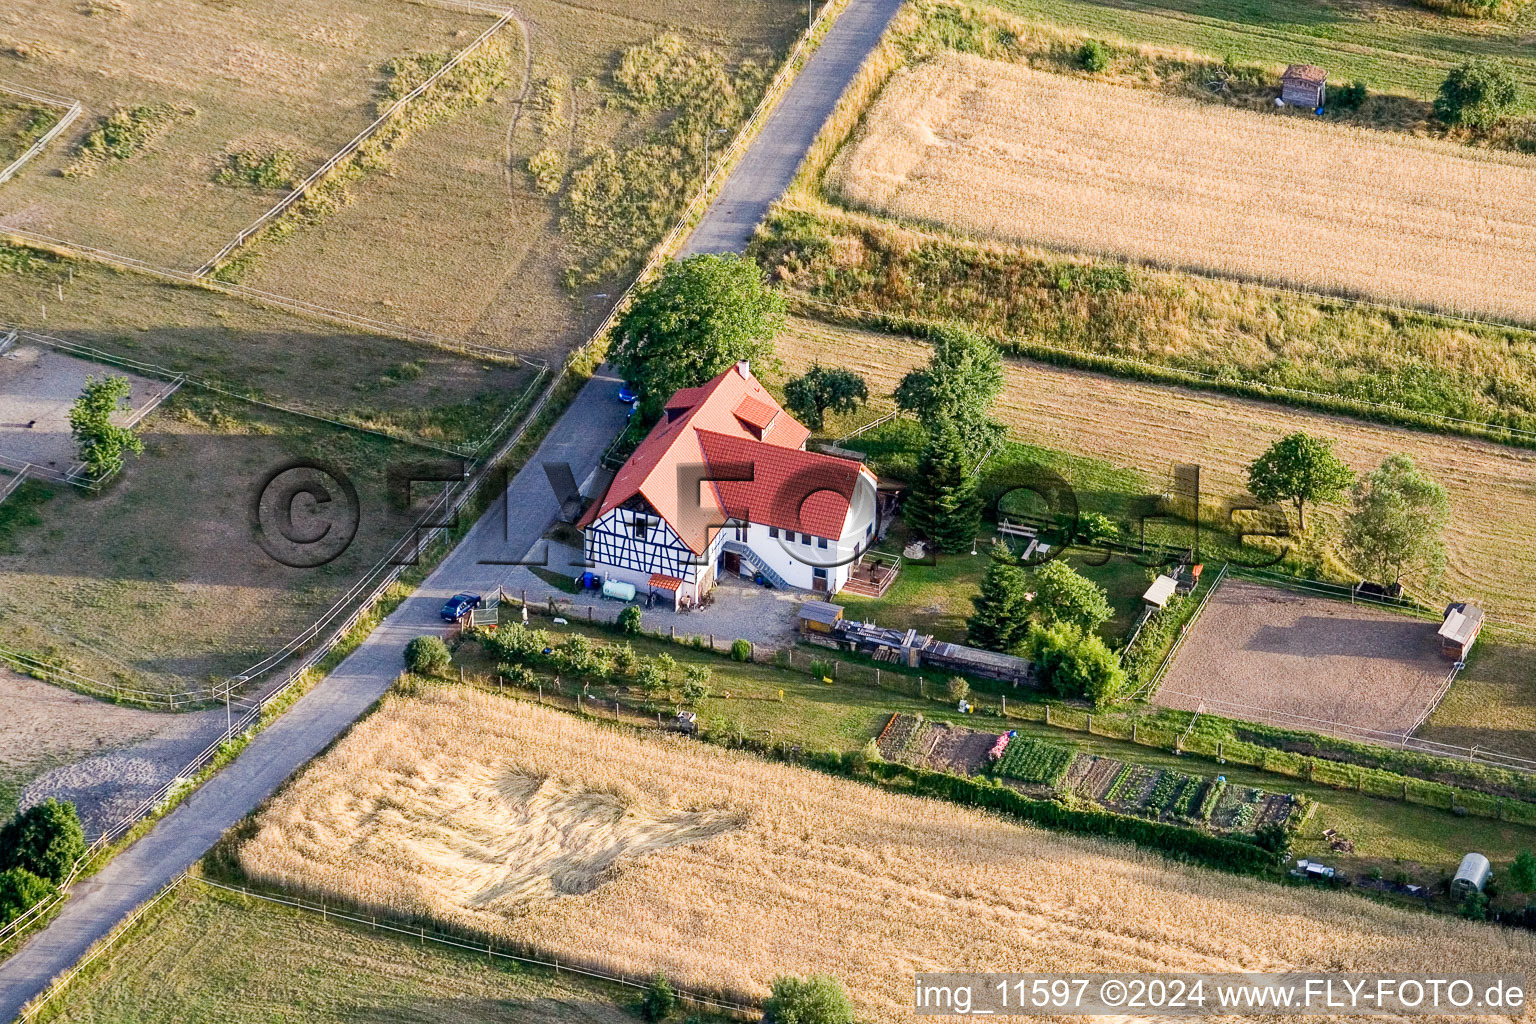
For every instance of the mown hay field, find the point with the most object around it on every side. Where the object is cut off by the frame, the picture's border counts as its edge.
(205, 954)
(158, 583)
(456, 233)
(1080, 165)
(642, 852)
(1148, 427)
(287, 75)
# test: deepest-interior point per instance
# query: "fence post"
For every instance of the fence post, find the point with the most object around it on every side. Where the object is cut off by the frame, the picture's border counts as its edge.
(1047, 714)
(1090, 725)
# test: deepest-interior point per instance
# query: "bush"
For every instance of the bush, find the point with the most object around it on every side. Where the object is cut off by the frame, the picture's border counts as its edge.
(1074, 664)
(741, 650)
(819, 999)
(427, 656)
(20, 890)
(696, 681)
(1093, 56)
(822, 669)
(659, 1001)
(1477, 94)
(625, 661)
(1350, 97)
(45, 839)
(629, 621)
(957, 688)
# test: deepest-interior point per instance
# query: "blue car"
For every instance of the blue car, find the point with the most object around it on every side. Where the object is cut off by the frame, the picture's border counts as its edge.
(457, 605)
(627, 394)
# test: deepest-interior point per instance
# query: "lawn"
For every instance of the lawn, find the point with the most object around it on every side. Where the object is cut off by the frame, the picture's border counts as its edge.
(1147, 428)
(523, 272)
(21, 124)
(204, 954)
(284, 75)
(773, 705)
(1493, 702)
(301, 363)
(157, 582)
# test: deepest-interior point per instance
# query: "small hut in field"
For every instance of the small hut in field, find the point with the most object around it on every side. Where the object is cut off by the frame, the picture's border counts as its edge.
(1304, 85)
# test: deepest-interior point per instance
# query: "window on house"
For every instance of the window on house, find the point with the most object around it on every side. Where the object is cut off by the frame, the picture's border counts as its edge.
(642, 527)
(869, 529)
(773, 531)
(821, 542)
(818, 574)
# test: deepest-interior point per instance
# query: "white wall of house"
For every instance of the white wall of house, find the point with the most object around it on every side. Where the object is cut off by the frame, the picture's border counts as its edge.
(797, 556)
(614, 547)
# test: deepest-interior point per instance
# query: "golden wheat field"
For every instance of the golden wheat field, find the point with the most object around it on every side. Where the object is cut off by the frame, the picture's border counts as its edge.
(998, 149)
(640, 852)
(1148, 427)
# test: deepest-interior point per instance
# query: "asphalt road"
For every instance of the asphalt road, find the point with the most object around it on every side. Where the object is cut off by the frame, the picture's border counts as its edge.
(347, 693)
(770, 162)
(505, 533)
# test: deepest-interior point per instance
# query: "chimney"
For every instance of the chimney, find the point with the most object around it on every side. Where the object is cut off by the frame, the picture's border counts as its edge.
(745, 369)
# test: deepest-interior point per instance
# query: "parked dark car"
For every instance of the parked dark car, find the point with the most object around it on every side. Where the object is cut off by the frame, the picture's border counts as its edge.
(457, 605)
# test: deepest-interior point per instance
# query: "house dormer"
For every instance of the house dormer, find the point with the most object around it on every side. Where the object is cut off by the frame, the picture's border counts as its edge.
(756, 417)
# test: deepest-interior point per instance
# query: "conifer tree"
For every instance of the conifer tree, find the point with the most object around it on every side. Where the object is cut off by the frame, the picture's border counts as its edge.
(1002, 608)
(944, 506)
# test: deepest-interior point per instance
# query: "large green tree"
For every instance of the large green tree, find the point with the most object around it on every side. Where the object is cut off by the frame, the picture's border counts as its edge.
(958, 386)
(1062, 594)
(1299, 468)
(698, 317)
(1002, 607)
(1477, 94)
(1073, 663)
(810, 395)
(102, 446)
(1395, 522)
(819, 999)
(45, 839)
(1522, 873)
(944, 505)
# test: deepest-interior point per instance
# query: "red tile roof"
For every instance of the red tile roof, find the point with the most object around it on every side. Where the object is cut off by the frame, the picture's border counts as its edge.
(661, 581)
(668, 465)
(759, 415)
(792, 489)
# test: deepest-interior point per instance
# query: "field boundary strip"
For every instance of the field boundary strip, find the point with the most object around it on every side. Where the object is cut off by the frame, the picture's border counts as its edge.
(96, 355)
(1174, 376)
(319, 174)
(32, 1008)
(72, 111)
(422, 934)
(447, 504)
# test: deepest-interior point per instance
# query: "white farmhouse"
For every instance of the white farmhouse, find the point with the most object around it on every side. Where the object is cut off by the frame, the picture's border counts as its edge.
(723, 483)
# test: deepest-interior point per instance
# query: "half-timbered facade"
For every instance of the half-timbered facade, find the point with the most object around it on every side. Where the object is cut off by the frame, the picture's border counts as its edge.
(723, 483)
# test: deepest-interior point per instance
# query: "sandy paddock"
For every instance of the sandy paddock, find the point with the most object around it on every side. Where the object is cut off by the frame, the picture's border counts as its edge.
(37, 388)
(1272, 655)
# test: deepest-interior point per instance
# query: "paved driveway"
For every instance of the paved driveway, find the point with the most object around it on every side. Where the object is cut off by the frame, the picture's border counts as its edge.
(770, 162)
(505, 532)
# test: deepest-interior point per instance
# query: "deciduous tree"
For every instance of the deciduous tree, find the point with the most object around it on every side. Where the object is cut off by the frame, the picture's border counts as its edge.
(1073, 663)
(1299, 468)
(1394, 526)
(45, 839)
(697, 318)
(810, 395)
(102, 445)
(1062, 594)
(1477, 94)
(958, 386)
(819, 999)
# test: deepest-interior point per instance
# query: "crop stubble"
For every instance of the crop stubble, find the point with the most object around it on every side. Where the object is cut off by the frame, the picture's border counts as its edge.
(1083, 165)
(800, 873)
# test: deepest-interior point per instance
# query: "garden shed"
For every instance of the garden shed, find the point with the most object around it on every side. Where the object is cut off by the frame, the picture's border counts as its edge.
(1304, 85)
(820, 616)
(1459, 630)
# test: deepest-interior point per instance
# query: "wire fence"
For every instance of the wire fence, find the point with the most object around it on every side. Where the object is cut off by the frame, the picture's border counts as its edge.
(68, 118)
(1150, 687)
(320, 173)
(387, 571)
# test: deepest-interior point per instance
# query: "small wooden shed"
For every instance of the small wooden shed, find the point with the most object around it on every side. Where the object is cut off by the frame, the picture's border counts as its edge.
(820, 616)
(1304, 85)
(1459, 630)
